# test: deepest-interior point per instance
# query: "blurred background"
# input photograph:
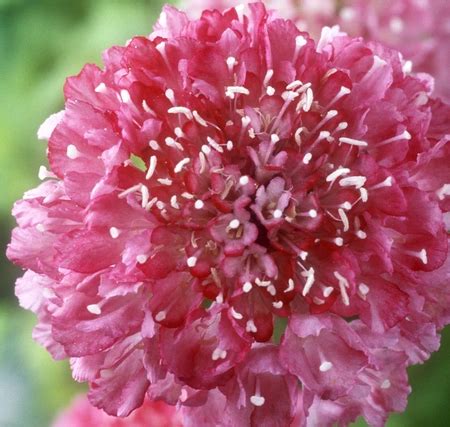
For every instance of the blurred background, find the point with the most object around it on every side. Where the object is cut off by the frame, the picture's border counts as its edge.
(42, 42)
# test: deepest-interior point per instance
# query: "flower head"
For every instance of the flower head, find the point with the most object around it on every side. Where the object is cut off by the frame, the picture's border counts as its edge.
(220, 179)
(82, 414)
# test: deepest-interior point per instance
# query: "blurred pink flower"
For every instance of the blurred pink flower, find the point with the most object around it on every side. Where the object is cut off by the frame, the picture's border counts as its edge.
(419, 29)
(219, 179)
(82, 414)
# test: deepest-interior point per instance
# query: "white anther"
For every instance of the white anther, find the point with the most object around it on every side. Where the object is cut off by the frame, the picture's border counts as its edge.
(245, 120)
(300, 41)
(325, 366)
(218, 354)
(251, 133)
(291, 285)
(339, 241)
(181, 164)
(160, 316)
(213, 143)
(101, 88)
(234, 224)
(154, 145)
(191, 261)
(114, 232)
(199, 204)
(257, 400)
(423, 256)
(352, 141)
(337, 173)
(170, 142)
(364, 194)
(344, 219)
(165, 181)
(277, 304)
(309, 97)
(125, 96)
(231, 62)
(361, 234)
(407, 67)
(45, 173)
(72, 152)
(231, 91)
(350, 181)
(151, 167)
(270, 91)
(229, 145)
(151, 203)
(40, 227)
(160, 205)
(170, 95)
(343, 285)
(277, 213)
(327, 291)
(363, 289)
(346, 205)
(294, 85)
(341, 126)
(206, 149)
(274, 138)
(385, 384)
(129, 191)
(179, 132)
(141, 259)
(309, 274)
(180, 110)
(267, 77)
(443, 192)
(303, 255)
(235, 314)
(312, 213)
(247, 287)
(244, 180)
(146, 108)
(174, 202)
(289, 95)
(250, 326)
(307, 158)
(297, 136)
(145, 195)
(386, 183)
(199, 119)
(94, 309)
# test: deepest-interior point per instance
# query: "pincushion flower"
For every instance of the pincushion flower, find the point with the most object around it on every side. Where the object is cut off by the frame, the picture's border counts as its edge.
(82, 414)
(228, 181)
(420, 30)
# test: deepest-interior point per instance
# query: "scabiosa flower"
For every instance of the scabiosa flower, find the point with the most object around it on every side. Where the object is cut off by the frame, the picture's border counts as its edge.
(420, 30)
(82, 414)
(242, 222)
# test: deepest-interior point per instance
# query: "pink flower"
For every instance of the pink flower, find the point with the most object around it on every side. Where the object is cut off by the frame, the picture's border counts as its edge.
(82, 414)
(419, 29)
(226, 182)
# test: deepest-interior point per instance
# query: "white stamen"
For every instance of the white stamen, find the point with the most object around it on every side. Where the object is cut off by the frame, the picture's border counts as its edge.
(342, 92)
(404, 135)
(257, 400)
(386, 183)
(72, 152)
(303, 255)
(229, 145)
(291, 285)
(250, 326)
(213, 143)
(300, 41)
(363, 289)
(423, 256)
(443, 192)
(191, 261)
(141, 259)
(309, 274)
(307, 158)
(154, 145)
(245, 120)
(274, 138)
(181, 164)
(160, 205)
(181, 110)
(45, 173)
(407, 67)
(170, 95)
(343, 285)
(294, 85)
(339, 241)
(244, 180)
(352, 141)
(199, 204)
(174, 202)
(234, 224)
(125, 96)
(206, 149)
(325, 366)
(146, 108)
(199, 119)
(344, 219)
(277, 213)
(247, 287)
(101, 88)
(277, 304)
(94, 309)
(312, 213)
(160, 316)
(235, 314)
(270, 91)
(40, 227)
(151, 167)
(165, 181)
(297, 136)
(231, 91)
(267, 77)
(327, 291)
(145, 195)
(364, 194)
(361, 234)
(272, 290)
(130, 190)
(337, 173)
(289, 95)
(187, 195)
(114, 232)
(219, 354)
(385, 384)
(231, 62)
(357, 181)
(309, 97)
(170, 142)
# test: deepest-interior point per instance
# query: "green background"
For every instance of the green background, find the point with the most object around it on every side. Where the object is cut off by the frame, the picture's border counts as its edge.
(42, 42)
